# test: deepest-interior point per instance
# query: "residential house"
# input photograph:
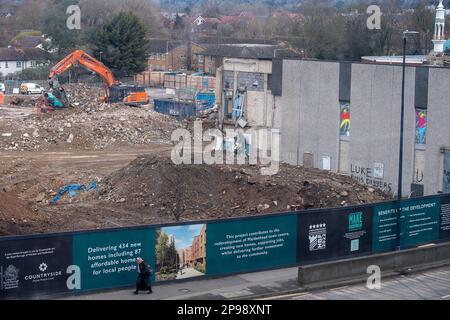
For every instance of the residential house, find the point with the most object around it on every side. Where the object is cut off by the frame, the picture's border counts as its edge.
(202, 25)
(28, 42)
(14, 60)
(211, 58)
(172, 55)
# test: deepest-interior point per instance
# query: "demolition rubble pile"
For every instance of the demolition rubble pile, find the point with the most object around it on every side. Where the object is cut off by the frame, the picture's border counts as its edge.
(154, 184)
(14, 214)
(90, 124)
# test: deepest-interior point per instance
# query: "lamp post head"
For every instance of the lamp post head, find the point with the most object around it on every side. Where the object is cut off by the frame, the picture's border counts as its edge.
(405, 33)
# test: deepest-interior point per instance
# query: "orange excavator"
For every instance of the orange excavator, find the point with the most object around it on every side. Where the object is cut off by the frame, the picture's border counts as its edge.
(115, 91)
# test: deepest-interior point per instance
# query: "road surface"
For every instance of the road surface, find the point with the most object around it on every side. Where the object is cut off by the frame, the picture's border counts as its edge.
(428, 285)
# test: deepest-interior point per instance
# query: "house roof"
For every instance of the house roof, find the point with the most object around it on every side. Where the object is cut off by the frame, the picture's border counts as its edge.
(28, 42)
(247, 51)
(22, 54)
(162, 46)
(409, 59)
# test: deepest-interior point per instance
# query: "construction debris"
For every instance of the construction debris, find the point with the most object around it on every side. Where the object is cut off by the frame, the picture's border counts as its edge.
(154, 184)
(89, 125)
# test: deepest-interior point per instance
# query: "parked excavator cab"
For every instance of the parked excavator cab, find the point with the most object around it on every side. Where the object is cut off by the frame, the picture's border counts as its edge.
(130, 95)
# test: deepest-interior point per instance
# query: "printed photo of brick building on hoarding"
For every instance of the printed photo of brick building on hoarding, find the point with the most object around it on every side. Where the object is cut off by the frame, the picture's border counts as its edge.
(180, 252)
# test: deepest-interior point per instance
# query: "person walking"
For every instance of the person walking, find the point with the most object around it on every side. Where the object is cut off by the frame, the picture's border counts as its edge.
(144, 272)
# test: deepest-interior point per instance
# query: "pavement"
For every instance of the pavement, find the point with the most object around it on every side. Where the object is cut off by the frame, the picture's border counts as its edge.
(188, 273)
(241, 286)
(281, 284)
(428, 285)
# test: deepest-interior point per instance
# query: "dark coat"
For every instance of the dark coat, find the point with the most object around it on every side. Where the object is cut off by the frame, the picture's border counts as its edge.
(143, 280)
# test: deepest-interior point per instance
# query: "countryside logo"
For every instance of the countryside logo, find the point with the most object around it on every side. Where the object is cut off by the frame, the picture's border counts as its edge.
(355, 221)
(43, 267)
(43, 275)
(317, 237)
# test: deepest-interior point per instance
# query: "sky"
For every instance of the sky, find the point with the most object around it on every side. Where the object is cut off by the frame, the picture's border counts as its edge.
(183, 234)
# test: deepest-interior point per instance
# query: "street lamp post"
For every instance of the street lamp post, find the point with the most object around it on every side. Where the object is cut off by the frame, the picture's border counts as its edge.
(402, 113)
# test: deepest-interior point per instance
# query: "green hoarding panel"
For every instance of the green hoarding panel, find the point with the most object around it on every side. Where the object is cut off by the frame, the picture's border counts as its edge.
(384, 235)
(247, 245)
(108, 259)
(419, 223)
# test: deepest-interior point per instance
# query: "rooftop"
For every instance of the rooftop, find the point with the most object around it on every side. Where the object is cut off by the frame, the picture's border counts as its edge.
(28, 42)
(247, 51)
(164, 45)
(409, 59)
(22, 54)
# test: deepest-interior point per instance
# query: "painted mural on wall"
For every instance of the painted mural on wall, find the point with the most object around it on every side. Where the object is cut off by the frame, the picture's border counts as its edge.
(421, 126)
(446, 182)
(344, 125)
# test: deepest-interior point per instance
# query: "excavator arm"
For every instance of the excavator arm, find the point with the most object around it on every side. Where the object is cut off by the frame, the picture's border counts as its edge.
(86, 61)
(115, 92)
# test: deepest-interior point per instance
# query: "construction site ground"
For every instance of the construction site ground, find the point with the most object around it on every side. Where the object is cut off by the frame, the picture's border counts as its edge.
(126, 151)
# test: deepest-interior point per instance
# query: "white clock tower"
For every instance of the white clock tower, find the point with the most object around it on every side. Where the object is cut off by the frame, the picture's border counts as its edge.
(439, 27)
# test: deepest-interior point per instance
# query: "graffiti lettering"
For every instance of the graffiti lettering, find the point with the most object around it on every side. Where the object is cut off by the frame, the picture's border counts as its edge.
(364, 175)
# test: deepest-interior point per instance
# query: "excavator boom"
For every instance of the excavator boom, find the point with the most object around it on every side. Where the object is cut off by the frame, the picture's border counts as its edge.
(115, 92)
(86, 61)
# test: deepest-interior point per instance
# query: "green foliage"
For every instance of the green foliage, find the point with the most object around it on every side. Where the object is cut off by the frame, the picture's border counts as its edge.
(122, 44)
(166, 254)
(38, 73)
(54, 26)
(178, 24)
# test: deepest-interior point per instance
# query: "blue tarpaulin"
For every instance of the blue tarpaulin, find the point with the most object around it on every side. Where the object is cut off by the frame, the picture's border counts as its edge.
(73, 189)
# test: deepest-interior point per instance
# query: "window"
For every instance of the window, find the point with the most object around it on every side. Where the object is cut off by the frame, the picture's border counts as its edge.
(18, 64)
(201, 59)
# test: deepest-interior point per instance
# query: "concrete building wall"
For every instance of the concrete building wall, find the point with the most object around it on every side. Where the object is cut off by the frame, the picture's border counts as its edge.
(310, 112)
(310, 116)
(290, 112)
(256, 108)
(248, 65)
(260, 104)
(375, 125)
(438, 132)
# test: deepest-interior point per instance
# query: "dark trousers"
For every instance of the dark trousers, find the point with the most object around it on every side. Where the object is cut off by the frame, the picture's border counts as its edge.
(143, 284)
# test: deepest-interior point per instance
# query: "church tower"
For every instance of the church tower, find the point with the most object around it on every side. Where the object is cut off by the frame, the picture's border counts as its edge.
(439, 27)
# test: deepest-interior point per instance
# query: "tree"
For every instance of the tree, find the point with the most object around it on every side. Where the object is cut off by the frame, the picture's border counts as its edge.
(97, 12)
(122, 44)
(29, 14)
(54, 26)
(162, 247)
(422, 20)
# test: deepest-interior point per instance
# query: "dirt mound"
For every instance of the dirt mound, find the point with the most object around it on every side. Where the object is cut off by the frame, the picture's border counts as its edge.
(15, 214)
(153, 184)
(89, 125)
